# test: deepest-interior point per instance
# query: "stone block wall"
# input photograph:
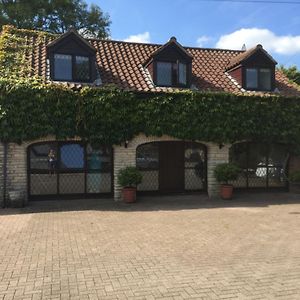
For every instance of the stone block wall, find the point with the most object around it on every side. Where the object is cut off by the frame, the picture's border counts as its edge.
(123, 156)
(215, 155)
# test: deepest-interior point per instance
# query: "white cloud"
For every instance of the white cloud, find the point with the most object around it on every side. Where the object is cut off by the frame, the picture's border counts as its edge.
(139, 38)
(202, 40)
(280, 44)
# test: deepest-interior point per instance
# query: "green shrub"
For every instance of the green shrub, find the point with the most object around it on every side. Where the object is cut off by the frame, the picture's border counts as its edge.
(226, 172)
(295, 176)
(129, 177)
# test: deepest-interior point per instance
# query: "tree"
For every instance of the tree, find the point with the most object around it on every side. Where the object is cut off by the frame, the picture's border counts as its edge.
(292, 73)
(55, 16)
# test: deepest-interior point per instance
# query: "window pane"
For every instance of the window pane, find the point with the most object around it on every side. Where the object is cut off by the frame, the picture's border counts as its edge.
(195, 167)
(182, 74)
(98, 159)
(251, 78)
(62, 67)
(238, 156)
(265, 79)
(82, 68)
(43, 156)
(164, 73)
(147, 156)
(99, 169)
(71, 156)
(147, 160)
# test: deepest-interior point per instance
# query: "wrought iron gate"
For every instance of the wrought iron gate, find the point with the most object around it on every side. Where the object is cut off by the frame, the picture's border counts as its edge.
(69, 169)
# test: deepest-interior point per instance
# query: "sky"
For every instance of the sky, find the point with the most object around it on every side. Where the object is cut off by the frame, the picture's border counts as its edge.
(209, 24)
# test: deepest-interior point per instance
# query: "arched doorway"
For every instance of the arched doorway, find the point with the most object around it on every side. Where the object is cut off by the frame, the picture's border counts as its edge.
(172, 166)
(264, 166)
(67, 169)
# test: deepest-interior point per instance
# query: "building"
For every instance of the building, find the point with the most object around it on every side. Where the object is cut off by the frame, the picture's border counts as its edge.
(168, 164)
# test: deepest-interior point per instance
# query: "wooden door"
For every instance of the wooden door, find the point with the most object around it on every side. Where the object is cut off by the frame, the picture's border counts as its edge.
(171, 166)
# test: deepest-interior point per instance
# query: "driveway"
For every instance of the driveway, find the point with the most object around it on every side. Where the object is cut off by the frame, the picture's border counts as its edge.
(185, 247)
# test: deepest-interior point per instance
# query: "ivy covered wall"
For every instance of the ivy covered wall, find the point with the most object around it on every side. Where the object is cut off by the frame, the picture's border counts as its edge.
(30, 110)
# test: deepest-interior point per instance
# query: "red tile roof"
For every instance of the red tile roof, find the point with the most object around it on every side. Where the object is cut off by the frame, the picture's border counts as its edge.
(237, 60)
(121, 63)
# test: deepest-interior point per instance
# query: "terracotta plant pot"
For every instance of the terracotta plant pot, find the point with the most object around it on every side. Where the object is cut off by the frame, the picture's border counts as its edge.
(129, 194)
(226, 191)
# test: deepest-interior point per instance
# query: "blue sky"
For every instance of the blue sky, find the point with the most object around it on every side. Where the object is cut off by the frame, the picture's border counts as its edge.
(209, 24)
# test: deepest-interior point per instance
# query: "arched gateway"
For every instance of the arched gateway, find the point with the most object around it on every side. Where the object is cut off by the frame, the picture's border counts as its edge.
(172, 166)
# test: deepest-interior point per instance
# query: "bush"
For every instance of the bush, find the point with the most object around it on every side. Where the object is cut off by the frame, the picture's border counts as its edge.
(129, 177)
(226, 172)
(295, 176)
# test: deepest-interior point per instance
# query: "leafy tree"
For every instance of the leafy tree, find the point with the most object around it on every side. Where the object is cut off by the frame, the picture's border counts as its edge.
(292, 73)
(55, 16)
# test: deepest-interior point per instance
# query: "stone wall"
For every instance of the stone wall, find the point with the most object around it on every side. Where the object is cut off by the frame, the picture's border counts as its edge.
(123, 156)
(126, 156)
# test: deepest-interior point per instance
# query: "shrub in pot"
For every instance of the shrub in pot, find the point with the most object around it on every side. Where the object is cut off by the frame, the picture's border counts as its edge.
(294, 180)
(224, 173)
(129, 178)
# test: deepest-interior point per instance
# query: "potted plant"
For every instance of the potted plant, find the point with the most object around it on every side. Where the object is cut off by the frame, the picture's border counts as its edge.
(129, 178)
(294, 180)
(224, 173)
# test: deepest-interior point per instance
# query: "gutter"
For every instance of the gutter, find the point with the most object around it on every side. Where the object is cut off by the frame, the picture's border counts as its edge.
(5, 144)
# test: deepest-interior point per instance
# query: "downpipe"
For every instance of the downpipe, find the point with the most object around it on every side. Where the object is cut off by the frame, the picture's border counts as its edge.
(5, 152)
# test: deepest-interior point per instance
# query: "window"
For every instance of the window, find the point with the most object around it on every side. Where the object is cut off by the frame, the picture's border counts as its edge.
(82, 68)
(71, 67)
(63, 67)
(262, 165)
(61, 168)
(171, 74)
(259, 79)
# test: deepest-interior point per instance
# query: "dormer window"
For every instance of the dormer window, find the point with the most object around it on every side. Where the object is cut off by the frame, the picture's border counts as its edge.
(72, 58)
(254, 69)
(258, 79)
(171, 74)
(170, 65)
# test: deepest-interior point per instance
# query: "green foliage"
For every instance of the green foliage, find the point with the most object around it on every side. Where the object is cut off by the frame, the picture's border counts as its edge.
(30, 110)
(13, 51)
(291, 73)
(129, 177)
(226, 172)
(55, 16)
(295, 176)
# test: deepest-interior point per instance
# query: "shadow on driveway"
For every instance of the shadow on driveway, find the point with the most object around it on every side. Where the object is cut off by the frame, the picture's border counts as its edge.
(157, 203)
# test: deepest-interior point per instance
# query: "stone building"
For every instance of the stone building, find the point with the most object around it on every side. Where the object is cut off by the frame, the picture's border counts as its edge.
(168, 165)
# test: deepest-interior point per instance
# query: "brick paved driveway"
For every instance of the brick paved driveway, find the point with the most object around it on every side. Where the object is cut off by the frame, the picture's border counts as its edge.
(160, 248)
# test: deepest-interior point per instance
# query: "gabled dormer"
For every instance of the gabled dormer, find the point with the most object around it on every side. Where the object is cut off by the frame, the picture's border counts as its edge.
(72, 58)
(170, 65)
(254, 69)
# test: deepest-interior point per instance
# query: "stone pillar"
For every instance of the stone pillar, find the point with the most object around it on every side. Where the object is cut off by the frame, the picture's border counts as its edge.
(215, 156)
(17, 169)
(123, 157)
(1, 173)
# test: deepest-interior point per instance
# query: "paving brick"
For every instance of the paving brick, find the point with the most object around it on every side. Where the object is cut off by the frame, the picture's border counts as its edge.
(183, 247)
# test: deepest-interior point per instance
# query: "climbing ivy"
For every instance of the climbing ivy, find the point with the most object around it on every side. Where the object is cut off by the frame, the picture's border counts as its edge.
(31, 110)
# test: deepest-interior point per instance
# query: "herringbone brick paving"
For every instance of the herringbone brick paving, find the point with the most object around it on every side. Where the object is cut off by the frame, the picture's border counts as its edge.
(185, 247)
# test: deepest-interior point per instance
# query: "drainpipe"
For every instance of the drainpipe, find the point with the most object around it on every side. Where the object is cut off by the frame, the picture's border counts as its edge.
(5, 144)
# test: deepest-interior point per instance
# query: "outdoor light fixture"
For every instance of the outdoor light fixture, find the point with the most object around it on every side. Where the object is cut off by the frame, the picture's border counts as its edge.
(126, 144)
(221, 146)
